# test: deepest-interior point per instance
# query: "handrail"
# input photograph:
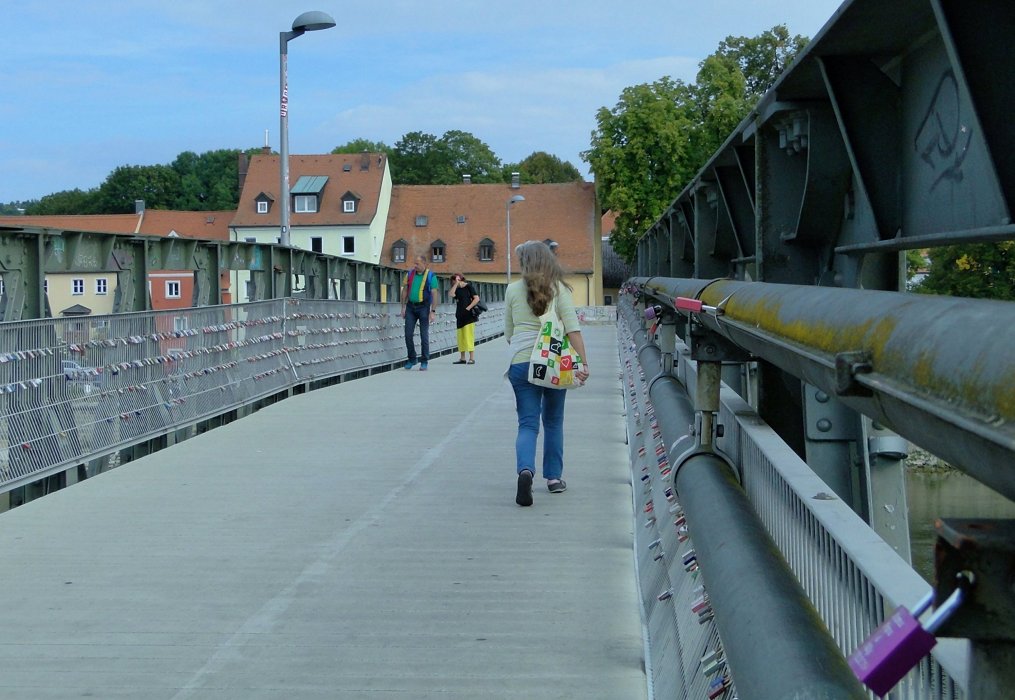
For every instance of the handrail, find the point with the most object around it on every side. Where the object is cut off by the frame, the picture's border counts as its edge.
(756, 599)
(905, 360)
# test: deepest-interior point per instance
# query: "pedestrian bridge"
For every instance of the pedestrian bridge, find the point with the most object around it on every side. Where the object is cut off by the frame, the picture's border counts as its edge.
(294, 515)
(356, 541)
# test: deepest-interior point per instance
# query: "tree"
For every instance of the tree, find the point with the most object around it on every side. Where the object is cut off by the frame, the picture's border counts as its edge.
(978, 271)
(646, 150)
(423, 159)
(414, 160)
(639, 153)
(762, 59)
(360, 145)
(157, 185)
(66, 202)
(540, 168)
(207, 182)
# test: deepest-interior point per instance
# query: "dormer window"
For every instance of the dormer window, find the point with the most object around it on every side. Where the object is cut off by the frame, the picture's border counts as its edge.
(350, 202)
(486, 250)
(305, 203)
(307, 193)
(262, 203)
(437, 251)
(398, 251)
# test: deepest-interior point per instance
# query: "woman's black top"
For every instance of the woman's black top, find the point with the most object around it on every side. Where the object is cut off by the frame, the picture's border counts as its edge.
(463, 297)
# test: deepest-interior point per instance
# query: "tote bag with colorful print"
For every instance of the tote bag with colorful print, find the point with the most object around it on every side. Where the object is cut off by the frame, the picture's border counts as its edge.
(553, 361)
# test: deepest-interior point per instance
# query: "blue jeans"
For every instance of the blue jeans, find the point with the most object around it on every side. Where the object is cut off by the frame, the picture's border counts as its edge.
(533, 402)
(413, 313)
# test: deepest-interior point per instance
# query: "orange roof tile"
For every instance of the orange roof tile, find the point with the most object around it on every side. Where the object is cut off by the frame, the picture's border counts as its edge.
(91, 223)
(359, 173)
(463, 215)
(210, 225)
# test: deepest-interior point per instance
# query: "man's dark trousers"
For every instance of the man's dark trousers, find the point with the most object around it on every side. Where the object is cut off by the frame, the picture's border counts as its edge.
(417, 312)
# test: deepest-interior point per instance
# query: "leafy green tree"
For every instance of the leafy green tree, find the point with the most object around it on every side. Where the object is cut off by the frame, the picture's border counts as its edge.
(762, 59)
(66, 202)
(416, 160)
(467, 155)
(157, 185)
(978, 271)
(360, 145)
(639, 153)
(646, 150)
(14, 208)
(423, 159)
(207, 182)
(540, 168)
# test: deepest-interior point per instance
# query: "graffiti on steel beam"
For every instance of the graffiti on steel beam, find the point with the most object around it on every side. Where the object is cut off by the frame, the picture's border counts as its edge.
(943, 139)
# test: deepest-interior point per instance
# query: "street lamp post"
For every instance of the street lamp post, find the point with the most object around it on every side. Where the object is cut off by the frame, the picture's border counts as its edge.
(307, 22)
(517, 198)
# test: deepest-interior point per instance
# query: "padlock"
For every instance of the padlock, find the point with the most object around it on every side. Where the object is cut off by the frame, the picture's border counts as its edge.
(719, 685)
(898, 644)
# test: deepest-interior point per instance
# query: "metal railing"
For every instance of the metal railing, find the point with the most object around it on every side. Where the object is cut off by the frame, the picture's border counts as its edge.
(851, 576)
(74, 390)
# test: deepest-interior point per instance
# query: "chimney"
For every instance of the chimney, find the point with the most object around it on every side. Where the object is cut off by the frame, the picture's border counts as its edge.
(516, 180)
(266, 149)
(241, 168)
(364, 161)
(139, 206)
(466, 179)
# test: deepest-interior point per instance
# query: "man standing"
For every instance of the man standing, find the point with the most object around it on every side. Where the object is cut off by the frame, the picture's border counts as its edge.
(419, 303)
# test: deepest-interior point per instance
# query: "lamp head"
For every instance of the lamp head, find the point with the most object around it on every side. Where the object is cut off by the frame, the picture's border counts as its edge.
(312, 21)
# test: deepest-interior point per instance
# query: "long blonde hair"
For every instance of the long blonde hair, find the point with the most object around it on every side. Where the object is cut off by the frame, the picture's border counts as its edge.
(541, 273)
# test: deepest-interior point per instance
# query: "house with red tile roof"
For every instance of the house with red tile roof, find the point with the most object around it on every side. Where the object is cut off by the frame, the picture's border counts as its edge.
(339, 205)
(88, 293)
(463, 228)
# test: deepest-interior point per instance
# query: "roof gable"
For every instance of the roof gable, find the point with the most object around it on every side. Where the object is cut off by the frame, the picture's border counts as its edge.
(334, 176)
(464, 216)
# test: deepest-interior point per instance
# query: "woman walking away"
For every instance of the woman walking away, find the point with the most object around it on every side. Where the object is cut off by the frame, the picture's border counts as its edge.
(465, 299)
(525, 301)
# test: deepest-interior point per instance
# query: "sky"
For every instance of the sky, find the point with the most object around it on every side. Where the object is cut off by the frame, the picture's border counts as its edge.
(92, 85)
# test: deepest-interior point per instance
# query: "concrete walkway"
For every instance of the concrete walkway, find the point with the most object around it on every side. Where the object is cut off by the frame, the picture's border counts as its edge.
(360, 541)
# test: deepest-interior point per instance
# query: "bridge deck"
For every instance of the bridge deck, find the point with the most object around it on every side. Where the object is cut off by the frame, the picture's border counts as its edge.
(358, 541)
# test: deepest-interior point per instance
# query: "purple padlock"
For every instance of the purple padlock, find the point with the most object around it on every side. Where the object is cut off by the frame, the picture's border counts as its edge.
(898, 644)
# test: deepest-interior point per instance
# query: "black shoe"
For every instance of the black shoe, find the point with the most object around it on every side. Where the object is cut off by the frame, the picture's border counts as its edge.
(558, 487)
(458, 362)
(524, 495)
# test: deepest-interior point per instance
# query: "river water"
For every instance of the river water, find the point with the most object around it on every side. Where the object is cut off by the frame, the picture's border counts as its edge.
(936, 494)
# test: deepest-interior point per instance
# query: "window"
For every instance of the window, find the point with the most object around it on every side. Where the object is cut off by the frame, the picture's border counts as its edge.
(486, 250)
(437, 252)
(45, 285)
(461, 218)
(305, 203)
(346, 168)
(317, 244)
(1, 286)
(262, 207)
(101, 285)
(348, 245)
(180, 323)
(77, 286)
(349, 206)
(398, 252)
(172, 289)
(421, 220)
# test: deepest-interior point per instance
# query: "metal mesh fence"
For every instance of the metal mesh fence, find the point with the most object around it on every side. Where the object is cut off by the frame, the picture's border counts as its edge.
(74, 389)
